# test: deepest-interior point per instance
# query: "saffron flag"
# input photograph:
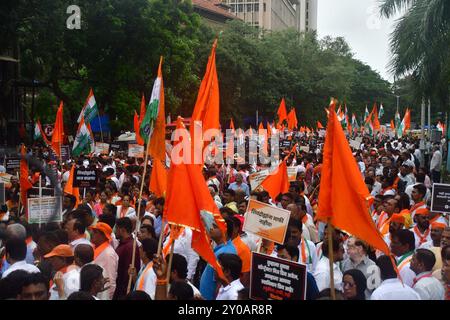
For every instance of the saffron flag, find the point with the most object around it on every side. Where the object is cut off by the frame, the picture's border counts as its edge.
(136, 125)
(232, 125)
(319, 125)
(376, 122)
(25, 184)
(158, 179)
(90, 109)
(282, 112)
(69, 188)
(206, 107)
(185, 181)
(277, 181)
(292, 119)
(58, 131)
(392, 125)
(344, 199)
(143, 110)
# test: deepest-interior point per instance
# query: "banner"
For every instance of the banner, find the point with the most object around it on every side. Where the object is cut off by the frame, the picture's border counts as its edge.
(45, 192)
(44, 210)
(276, 279)
(5, 177)
(65, 152)
(257, 177)
(440, 199)
(135, 150)
(266, 221)
(355, 144)
(85, 178)
(12, 164)
(292, 173)
(101, 148)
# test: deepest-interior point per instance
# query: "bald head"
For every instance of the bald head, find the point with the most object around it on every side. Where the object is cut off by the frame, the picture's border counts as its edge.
(83, 254)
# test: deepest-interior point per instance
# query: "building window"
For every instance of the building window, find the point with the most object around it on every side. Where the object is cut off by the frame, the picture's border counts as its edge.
(240, 8)
(256, 7)
(249, 8)
(233, 8)
(264, 7)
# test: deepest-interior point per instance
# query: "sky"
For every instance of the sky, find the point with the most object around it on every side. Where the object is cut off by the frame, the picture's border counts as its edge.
(359, 22)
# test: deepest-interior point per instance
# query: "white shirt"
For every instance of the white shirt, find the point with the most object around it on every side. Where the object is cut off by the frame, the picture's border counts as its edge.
(429, 288)
(436, 161)
(194, 288)
(149, 285)
(71, 281)
(406, 273)
(20, 265)
(393, 289)
(183, 246)
(230, 292)
(76, 242)
(322, 274)
(310, 255)
(409, 189)
(130, 213)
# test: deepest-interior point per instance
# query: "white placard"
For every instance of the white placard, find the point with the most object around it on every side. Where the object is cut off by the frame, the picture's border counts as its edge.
(42, 210)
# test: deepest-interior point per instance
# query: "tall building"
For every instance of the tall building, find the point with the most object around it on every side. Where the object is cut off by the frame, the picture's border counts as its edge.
(276, 14)
(214, 13)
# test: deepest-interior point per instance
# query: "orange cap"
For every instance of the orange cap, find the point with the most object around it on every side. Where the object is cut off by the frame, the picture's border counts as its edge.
(103, 227)
(63, 250)
(396, 217)
(422, 211)
(438, 225)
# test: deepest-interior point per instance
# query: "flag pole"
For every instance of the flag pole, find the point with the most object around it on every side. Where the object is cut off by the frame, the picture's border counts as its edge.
(100, 124)
(331, 258)
(139, 210)
(169, 265)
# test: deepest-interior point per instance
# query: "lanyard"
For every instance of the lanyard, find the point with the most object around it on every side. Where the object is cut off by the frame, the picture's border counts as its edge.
(428, 275)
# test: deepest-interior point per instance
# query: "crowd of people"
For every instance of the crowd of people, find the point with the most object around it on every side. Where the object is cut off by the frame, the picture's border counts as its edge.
(106, 248)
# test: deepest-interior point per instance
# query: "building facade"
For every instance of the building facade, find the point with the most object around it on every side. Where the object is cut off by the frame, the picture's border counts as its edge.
(214, 13)
(276, 14)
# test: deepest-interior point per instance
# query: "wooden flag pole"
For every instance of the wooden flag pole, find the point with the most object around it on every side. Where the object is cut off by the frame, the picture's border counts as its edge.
(161, 235)
(331, 259)
(169, 265)
(138, 212)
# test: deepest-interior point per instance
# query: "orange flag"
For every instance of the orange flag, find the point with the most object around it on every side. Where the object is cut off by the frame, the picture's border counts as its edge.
(282, 112)
(407, 119)
(292, 119)
(319, 125)
(157, 144)
(143, 109)
(69, 188)
(185, 181)
(344, 199)
(376, 122)
(136, 125)
(269, 130)
(58, 131)
(158, 179)
(392, 125)
(25, 184)
(232, 125)
(349, 125)
(206, 107)
(277, 181)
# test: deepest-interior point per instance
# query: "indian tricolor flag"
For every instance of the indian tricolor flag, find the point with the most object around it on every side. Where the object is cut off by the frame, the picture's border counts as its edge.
(405, 124)
(156, 103)
(90, 109)
(39, 133)
(441, 127)
(84, 140)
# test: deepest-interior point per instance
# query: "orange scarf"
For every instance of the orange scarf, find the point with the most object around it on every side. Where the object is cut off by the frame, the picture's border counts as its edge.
(422, 237)
(140, 285)
(417, 205)
(98, 250)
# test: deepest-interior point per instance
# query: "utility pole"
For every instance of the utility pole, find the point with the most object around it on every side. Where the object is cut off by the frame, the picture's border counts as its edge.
(422, 124)
(429, 120)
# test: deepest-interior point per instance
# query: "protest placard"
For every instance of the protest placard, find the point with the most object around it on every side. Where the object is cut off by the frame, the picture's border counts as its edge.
(101, 148)
(276, 279)
(44, 210)
(12, 164)
(65, 152)
(440, 199)
(85, 178)
(257, 177)
(135, 150)
(266, 221)
(5, 177)
(2, 193)
(355, 144)
(292, 173)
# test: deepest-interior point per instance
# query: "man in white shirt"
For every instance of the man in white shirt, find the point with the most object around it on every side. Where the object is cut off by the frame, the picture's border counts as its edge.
(391, 288)
(92, 280)
(402, 246)
(435, 165)
(76, 233)
(322, 271)
(145, 280)
(306, 247)
(179, 272)
(427, 286)
(16, 251)
(231, 266)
